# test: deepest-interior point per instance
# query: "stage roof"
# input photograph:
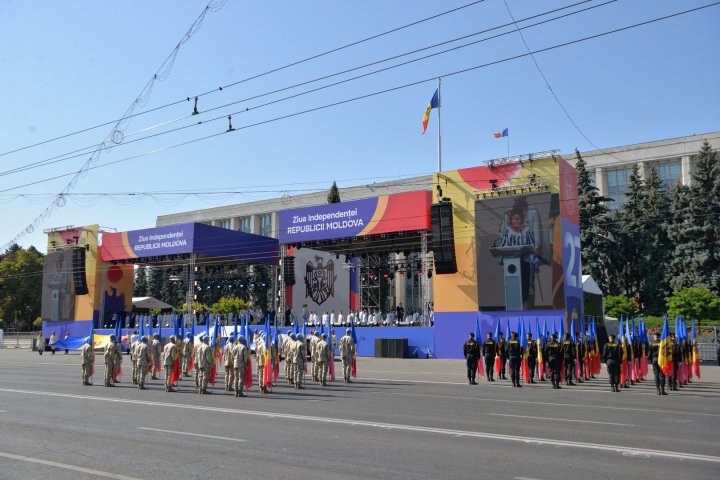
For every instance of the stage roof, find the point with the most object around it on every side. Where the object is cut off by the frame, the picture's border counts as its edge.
(149, 303)
(170, 241)
(401, 212)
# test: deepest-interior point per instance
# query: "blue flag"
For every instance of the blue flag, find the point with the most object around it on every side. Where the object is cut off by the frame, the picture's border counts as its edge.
(497, 330)
(478, 334)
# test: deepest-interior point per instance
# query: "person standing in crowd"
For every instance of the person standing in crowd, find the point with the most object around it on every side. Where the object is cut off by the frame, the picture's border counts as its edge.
(239, 355)
(501, 344)
(553, 352)
(40, 343)
(87, 358)
(117, 363)
(653, 354)
(611, 355)
(314, 339)
(568, 350)
(133, 340)
(333, 341)
(169, 354)
(142, 362)
(288, 360)
(67, 335)
(347, 355)
(322, 353)
(187, 353)
(532, 352)
(53, 340)
(260, 359)
(676, 357)
(489, 352)
(109, 361)
(299, 361)
(471, 351)
(228, 363)
(197, 358)
(204, 365)
(155, 352)
(514, 353)
(290, 357)
(580, 349)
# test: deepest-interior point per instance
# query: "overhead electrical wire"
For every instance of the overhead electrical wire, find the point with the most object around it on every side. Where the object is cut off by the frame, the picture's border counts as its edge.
(213, 7)
(106, 147)
(372, 94)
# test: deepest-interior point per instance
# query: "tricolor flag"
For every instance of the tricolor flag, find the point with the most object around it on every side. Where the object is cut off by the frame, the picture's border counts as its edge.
(524, 365)
(695, 356)
(353, 334)
(665, 358)
(504, 133)
(434, 103)
(478, 337)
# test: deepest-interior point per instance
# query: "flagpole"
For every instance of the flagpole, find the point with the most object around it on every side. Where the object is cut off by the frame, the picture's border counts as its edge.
(439, 168)
(508, 144)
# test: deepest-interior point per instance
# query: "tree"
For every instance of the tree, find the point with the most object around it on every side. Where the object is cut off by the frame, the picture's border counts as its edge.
(596, 239)
(693, 229)
(155, 281)
(698, 303)
(229, 305)
(630, 236)
(654, 260)
(334, 194)
(20, 286)
(616, 305)
(140, 286)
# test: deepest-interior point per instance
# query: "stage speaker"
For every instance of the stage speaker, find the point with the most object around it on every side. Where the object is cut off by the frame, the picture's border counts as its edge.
(398, 347)
(289, 270)
(443, 239)
(379, 347)
(78, 270)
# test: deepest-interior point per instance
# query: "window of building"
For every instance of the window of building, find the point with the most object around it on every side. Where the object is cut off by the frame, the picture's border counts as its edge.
(617, 181)
(244, 224)
(266, 225)
(224, 223)
(670, 172)
(591, 176)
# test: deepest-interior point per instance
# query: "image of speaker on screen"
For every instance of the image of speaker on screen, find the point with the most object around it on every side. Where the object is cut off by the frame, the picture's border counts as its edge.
(518, 250)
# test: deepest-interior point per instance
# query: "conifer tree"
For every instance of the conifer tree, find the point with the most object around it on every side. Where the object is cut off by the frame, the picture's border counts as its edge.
(654, 260)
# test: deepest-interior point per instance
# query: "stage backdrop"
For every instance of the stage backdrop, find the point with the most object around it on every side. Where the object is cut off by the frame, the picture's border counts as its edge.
(321, 282)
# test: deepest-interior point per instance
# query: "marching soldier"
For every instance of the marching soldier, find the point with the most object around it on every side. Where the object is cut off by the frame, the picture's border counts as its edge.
(501, 343)
(142, 361)
(471, 351)
(653, 355)
(322, 354)
(204, 356)
(187, 352)
(580, 349)
(612, 356)
(514, 353)
(168, 359)
(568, 350)
(347, 355)
(532, 352)
(299, 360)
(155, 352)
(87, 356)
(133, 347)
(314, 340)
(228, 363)
(239, 355)
(197, 360)
(489, 351)
(109, 361)
(553, 352)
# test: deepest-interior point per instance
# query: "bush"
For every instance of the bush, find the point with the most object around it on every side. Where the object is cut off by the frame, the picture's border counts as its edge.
(616, 305)
(37, 323)
(698, 303)
(229, 305)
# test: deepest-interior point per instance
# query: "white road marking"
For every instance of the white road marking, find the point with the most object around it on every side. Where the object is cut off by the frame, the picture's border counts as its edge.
(559, 419)
(65, 466)
(391, 426)
(192, 434)
(528, 402)
(525, 478)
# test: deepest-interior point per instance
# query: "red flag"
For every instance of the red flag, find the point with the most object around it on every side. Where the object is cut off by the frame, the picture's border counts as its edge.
(175, 374)
(119, 372)
(248, 375)
(354, 368)
(332, 368)
(623, 372)
(525, 368)
(481, 366)
(498, 364)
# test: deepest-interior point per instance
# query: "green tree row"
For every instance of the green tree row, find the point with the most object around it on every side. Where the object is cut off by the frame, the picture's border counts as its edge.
(660, 241)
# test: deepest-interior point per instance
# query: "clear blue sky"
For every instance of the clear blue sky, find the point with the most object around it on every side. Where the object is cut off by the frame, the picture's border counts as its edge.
(71, 65)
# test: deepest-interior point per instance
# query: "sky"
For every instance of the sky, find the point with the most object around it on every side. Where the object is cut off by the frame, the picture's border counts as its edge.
(70, 66)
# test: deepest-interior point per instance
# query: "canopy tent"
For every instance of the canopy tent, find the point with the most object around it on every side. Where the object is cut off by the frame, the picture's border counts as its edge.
(590, 285)
(149, 303)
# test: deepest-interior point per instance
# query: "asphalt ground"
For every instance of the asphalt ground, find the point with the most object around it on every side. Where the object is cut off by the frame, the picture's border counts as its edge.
(401, 419)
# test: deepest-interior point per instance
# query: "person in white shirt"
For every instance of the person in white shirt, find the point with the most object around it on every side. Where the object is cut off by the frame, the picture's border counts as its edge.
(332, 318)
(324, 318)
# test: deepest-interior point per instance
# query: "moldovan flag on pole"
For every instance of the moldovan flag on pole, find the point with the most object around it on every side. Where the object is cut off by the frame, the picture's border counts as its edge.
(665, 360)
(433, 104)
(478, 338)
(504, 133)
(695, 356)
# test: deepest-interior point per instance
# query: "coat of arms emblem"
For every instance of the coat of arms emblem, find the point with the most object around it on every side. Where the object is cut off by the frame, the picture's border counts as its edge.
(320, 280)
